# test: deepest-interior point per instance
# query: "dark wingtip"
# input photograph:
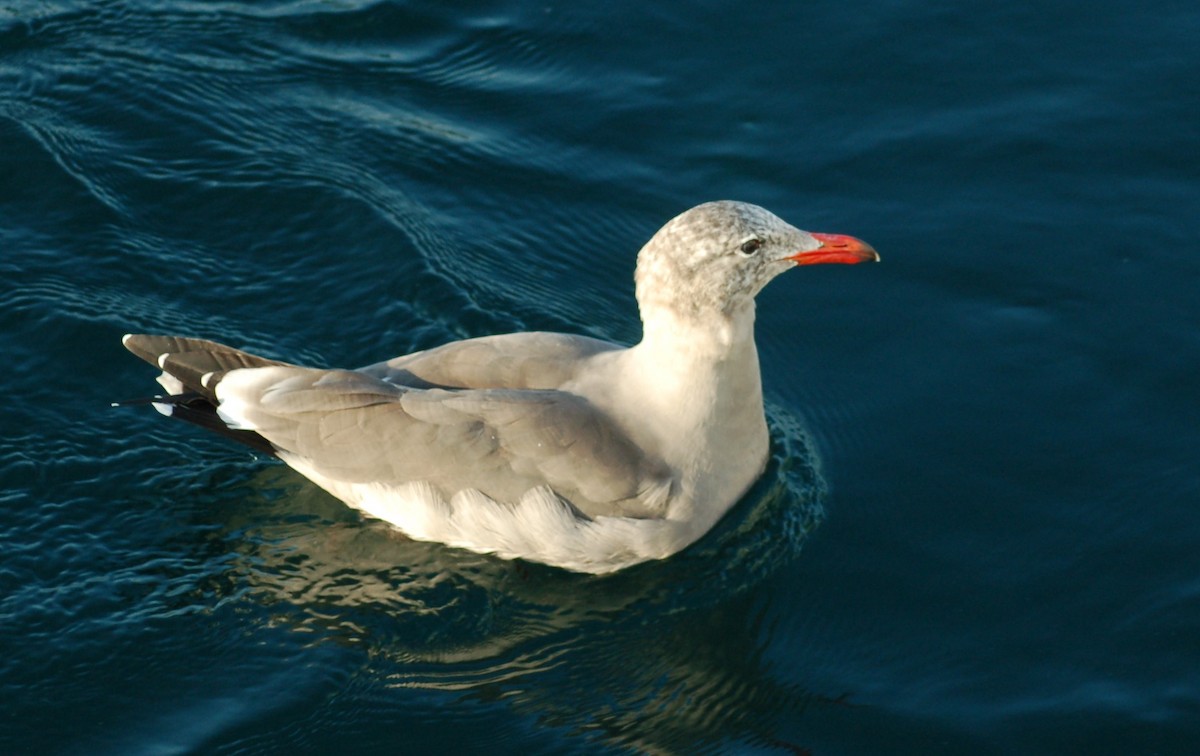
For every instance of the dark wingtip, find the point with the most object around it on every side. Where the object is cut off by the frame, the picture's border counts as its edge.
(138, 401)
(198, 410)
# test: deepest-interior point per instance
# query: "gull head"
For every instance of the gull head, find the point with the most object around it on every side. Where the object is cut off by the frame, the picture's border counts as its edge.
(714, 258)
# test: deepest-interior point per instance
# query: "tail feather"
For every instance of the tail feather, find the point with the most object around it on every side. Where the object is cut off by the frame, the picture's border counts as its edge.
(192, 369)
(190, 360)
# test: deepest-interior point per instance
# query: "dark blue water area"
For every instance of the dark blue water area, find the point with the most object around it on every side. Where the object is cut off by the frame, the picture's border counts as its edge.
(978, 532)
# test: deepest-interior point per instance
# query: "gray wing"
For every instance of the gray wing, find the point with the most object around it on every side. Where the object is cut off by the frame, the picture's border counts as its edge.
(353, 427)
(537, 360)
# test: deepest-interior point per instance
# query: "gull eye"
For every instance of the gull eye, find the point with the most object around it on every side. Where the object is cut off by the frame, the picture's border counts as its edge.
(750, 246)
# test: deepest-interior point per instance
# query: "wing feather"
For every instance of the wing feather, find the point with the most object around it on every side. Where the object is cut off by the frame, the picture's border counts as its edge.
(501, 442)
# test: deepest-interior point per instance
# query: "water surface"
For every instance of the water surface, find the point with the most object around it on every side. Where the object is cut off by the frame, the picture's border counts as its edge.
(978, 531)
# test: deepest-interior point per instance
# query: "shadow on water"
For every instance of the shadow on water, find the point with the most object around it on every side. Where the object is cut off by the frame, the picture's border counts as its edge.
(661, 656)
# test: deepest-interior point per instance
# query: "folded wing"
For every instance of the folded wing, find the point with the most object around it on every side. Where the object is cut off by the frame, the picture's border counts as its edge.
(353, 427)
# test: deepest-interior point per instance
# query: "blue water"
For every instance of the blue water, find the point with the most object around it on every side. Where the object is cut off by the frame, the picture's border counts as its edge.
(979, 529)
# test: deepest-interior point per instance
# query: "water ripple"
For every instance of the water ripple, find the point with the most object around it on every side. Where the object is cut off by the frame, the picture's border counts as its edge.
(276, 175)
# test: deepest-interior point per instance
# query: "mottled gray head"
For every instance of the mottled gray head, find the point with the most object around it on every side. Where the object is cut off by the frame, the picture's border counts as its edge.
(717, 256)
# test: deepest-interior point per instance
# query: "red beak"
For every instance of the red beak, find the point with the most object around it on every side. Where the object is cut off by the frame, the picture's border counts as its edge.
(836, 248)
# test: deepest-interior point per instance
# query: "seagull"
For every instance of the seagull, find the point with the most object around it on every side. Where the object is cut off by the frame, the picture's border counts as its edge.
(560, 449)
